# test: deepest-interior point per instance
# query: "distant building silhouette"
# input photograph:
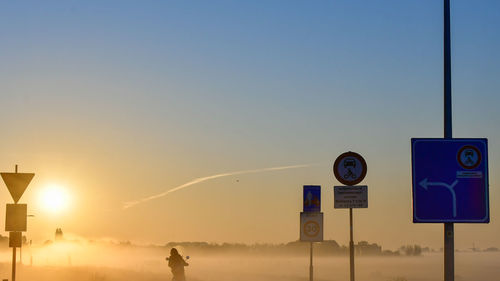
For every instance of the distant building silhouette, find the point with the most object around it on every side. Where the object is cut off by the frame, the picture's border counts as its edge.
(59, 235)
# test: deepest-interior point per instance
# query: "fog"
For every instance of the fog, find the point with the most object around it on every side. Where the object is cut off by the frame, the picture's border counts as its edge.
(110, 262)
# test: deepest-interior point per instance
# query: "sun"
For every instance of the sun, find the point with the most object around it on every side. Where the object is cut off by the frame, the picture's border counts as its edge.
(54, 198)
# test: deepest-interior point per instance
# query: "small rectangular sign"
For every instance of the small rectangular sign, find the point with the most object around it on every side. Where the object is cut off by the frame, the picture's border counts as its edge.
(350, 196)
(311, 227)
(15, 239)
(16, 217)
(312, 198)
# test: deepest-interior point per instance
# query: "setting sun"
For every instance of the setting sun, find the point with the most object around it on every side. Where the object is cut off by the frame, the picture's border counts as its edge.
(54, 198)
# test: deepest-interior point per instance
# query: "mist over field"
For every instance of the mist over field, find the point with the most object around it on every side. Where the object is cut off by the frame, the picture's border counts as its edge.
(105, 261)
(240, 131)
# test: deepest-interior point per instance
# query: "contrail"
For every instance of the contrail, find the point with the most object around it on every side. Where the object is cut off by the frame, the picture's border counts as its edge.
(129, 204)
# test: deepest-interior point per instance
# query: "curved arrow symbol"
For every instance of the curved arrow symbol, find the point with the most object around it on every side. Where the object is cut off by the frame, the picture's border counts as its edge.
(425, 184)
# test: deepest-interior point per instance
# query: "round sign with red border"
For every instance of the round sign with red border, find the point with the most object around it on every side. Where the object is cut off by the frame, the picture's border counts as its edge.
(469, 157)
(350, 168)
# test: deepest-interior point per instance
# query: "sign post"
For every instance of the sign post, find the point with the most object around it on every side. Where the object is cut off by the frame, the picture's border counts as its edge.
(461, 179)
(350, 169)
(311, 221)
(311, 270)
(450, 185)
(449, 236)
(16, 216)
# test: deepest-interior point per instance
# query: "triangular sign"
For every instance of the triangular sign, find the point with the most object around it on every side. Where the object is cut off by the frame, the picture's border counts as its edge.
(17, 183)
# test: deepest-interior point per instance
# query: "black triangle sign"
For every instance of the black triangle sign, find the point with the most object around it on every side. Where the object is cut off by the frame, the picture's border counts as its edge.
(17, 183)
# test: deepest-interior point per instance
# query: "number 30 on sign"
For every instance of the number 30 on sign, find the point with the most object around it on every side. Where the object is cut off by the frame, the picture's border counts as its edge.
(311, 227)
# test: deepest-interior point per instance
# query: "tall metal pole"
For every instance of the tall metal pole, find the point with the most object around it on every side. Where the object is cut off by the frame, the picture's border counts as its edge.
(447, 71)
(14, 264)
(311, 263)
(351, 246)
(14, 255)
(449, 245)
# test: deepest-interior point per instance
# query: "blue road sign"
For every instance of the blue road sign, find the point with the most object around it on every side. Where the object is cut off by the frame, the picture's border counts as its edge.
(312, 198)
(450, 180)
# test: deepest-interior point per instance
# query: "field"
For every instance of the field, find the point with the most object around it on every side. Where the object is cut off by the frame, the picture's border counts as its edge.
(127, 264)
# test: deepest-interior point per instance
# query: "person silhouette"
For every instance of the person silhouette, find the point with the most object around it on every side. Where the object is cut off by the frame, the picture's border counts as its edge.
(177, 264)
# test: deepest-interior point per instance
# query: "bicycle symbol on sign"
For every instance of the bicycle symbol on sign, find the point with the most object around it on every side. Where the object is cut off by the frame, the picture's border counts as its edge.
(349, 164)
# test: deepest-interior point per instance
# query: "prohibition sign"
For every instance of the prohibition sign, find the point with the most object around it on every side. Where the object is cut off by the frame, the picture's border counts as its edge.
(350, 168)
(469, 157)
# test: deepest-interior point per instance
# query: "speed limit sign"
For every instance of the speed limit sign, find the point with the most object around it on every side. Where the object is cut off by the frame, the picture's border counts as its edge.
(311, 227)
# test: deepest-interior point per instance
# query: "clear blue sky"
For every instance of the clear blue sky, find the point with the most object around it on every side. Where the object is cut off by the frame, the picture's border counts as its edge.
(125, 99)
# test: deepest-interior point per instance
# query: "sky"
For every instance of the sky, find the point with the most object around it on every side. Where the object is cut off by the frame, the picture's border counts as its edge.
(116, 101)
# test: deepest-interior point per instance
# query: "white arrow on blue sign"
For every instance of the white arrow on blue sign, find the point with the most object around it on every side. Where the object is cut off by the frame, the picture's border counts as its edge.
(450, 180)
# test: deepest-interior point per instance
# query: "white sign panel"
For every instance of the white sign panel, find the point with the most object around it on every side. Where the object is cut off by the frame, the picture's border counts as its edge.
(351, 196)
(311, 227)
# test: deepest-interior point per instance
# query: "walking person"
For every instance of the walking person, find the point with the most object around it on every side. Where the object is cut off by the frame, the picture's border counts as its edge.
(177, 264)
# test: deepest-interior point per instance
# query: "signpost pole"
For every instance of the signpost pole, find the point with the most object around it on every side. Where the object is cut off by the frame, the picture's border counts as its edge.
(449, 247)
(351, 246)
(350, 169)
(13, 263)
(447, 72)
(14, 255)
(311, 263)
(449, 255)
(311, 221)
(15, 221)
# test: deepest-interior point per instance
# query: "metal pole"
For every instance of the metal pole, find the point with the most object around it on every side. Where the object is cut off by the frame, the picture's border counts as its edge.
(449, 247)
(449, 255)
(14, 255)
(14, 264)
(447, 71)
(351, 246)
(311, 263)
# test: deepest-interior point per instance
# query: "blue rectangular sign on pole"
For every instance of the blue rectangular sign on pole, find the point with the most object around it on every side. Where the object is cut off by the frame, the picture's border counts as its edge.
(450, 180)
(312, 198)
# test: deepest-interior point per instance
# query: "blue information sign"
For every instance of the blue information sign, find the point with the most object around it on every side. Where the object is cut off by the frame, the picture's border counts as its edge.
(450, 180)
(312, 198)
